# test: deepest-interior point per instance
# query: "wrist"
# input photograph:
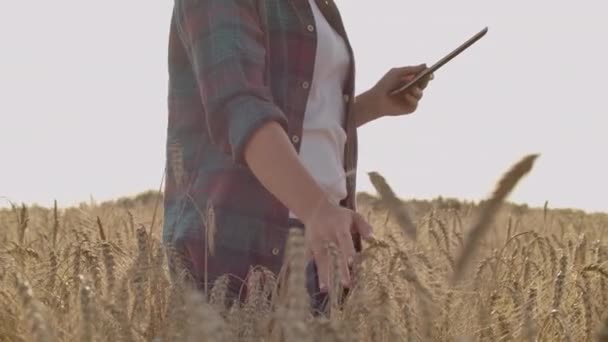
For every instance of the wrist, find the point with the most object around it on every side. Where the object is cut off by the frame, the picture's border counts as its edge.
(318, 203)
(366, 107)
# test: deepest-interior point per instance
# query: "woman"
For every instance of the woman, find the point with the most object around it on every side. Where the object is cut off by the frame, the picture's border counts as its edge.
(263, 128)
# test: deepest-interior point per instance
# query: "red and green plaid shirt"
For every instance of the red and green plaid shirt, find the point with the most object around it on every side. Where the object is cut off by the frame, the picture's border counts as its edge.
(233, 66)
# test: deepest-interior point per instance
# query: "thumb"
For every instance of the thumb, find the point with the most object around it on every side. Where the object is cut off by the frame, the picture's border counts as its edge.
(365, 229)
(411, 69)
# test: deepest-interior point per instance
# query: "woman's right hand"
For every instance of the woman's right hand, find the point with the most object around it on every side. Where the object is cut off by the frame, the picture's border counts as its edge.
(331, 223)
(275, 162)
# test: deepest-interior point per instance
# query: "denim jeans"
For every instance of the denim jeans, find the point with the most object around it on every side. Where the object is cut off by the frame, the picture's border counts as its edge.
(189, 258)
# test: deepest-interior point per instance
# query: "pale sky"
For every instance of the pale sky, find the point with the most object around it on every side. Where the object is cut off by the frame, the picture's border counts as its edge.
(83, 98)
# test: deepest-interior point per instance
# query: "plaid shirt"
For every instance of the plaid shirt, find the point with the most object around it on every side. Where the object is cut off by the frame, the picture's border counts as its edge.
(233, 66)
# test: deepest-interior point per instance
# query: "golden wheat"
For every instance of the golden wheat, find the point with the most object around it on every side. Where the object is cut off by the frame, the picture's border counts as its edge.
(99, 273)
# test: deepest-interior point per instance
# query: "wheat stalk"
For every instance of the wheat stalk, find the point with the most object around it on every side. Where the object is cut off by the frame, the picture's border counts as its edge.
(77, 283)
(394, 205)
(491, 206)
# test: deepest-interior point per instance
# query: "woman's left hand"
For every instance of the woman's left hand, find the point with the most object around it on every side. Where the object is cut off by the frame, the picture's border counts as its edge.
(401, 104)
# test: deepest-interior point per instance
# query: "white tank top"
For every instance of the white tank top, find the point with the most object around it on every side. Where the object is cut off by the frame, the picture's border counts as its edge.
(323, 138)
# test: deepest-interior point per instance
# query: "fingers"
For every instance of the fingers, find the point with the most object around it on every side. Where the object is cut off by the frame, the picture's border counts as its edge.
(409, 72)
(325, 262)
(412, 102)
(416, 92)
(413, 96)
(365, 229)
(320, 254)
(406, 75)
(425, 81)
(347, 255)
(309, 255)
(336, 228)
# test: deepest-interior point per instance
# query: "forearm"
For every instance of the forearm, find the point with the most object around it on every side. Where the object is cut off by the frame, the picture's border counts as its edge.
(274, 161)
(365, 109)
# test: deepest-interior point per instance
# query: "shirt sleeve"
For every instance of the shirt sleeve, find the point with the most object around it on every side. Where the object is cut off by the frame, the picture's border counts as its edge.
(226, 47)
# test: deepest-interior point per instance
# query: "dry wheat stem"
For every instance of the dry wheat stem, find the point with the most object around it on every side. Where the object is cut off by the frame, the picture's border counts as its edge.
(505, 186)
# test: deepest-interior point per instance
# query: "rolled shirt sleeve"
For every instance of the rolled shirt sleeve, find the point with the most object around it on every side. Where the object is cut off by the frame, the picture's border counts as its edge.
(225, 43)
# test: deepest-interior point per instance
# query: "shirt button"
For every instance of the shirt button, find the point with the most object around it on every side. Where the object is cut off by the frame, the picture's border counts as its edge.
(310, 28)
(275, 251)
(305, 85)
(295, 139)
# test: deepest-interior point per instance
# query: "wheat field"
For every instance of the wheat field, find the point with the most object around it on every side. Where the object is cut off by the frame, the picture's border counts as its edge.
(439, 270)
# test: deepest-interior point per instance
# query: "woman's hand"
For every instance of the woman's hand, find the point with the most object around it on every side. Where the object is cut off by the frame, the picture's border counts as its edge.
(273, 160)
(384, 104)
(331, 223)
